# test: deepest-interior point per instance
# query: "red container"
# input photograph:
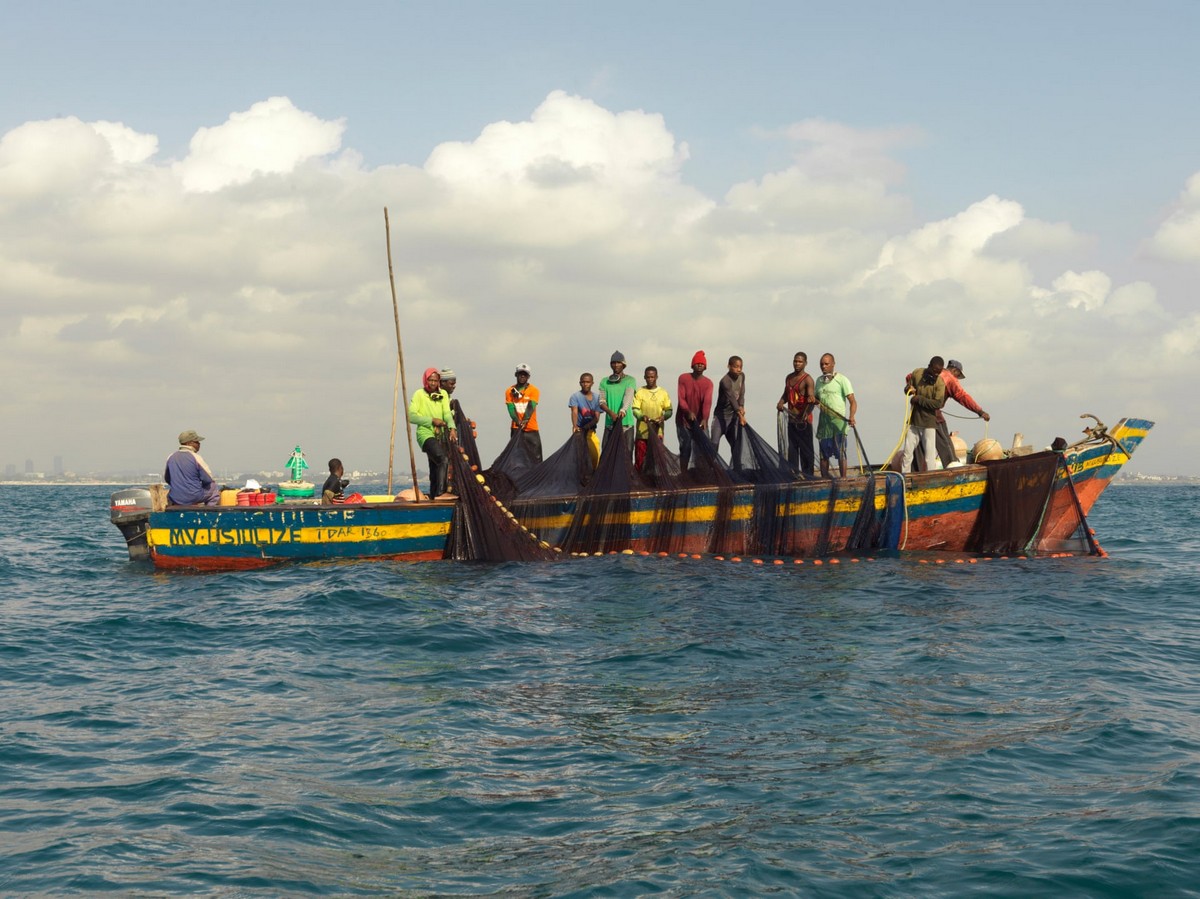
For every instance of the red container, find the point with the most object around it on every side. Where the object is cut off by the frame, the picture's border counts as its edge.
(268, 499)
(260, 499)
(245, 499)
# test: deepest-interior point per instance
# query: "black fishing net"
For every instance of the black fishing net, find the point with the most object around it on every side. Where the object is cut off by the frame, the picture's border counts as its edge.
(751, 505)
(483, 529)
(601, 521)
(706, 468)
(513, 464)
(564, 473)
(1014, 503)
(754, 461)
(466, 434)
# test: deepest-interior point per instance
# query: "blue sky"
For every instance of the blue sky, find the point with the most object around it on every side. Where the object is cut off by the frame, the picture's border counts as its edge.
(1080, 113)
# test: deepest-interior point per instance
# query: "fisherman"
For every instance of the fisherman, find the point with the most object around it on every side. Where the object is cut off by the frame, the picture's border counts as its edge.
(584, 406)
(522, 401)
(616, 400)
(334, 490)
(835, 396)
(952, 374)
(798, 399)
(430, 411)
(651, 408)
(731, 403)
(927, 394)
(449, 381)
(188, 476)
(694, 395)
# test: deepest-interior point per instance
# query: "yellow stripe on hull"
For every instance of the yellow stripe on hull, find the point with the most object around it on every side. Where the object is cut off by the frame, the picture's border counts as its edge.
(240, 536)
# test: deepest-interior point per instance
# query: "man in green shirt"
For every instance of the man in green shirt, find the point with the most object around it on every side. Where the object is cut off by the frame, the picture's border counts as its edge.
(616, 400)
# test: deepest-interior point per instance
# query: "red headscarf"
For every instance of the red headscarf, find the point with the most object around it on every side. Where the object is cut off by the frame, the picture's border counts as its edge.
(428, 372)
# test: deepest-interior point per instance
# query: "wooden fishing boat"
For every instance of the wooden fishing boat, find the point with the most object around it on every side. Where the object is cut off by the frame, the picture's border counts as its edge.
(1035, 504)
(218, 538)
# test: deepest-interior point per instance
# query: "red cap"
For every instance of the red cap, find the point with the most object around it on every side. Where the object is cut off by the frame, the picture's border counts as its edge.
(699, 357)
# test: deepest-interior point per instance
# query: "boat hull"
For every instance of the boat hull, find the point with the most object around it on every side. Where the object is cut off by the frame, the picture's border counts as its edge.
(243, 537)
(942, 511)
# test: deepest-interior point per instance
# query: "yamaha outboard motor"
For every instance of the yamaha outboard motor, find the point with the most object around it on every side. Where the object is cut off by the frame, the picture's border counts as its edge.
(131, 513)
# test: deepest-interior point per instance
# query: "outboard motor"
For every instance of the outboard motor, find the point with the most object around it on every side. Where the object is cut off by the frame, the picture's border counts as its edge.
(131, 513)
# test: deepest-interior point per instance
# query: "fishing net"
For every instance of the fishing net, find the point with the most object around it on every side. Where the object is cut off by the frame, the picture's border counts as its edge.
(1014, 503)
(482, 528)
(754, 461)
(706, 467)
(513, 464)
(563, 473)
(466, 434)
(750, 505)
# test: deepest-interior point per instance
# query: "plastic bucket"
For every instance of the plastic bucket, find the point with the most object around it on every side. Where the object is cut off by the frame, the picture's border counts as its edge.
(244, 499)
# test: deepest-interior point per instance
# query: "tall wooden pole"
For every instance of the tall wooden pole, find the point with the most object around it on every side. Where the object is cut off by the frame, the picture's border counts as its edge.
(401, 381)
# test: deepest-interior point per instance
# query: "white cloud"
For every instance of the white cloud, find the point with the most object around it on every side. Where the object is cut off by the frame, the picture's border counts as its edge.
(1183, 342)
(127, 145)
(1078, 290)
(839, 176)
(272, 137)
(1178, 238)
(1033, 238)
(247, 283)
(57, 156)
(574, 172)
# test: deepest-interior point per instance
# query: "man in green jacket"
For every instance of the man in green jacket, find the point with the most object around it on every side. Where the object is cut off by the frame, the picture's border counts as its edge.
(430, 412)
(927, 394)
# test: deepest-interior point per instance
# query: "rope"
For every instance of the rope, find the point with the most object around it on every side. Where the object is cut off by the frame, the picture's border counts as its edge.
(903, 432)
(1083, 523)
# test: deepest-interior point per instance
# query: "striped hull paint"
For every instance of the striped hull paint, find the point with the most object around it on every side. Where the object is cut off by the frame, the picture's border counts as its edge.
(931, 511)
(241, 537)
(1092, 470)
(804, 520)
(936, 511)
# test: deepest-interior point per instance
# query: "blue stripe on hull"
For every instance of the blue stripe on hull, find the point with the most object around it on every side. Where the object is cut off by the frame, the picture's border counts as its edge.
(206, 536)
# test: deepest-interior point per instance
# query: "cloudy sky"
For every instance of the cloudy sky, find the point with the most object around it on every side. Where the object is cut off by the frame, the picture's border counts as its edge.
(192, 231)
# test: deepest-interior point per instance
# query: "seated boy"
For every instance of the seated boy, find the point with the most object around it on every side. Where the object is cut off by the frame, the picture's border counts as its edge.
(335, 485)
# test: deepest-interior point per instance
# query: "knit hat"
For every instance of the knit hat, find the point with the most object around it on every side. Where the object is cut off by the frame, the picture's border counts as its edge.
(447, 374)
(617, 356)
(699, 357)
(522, 368)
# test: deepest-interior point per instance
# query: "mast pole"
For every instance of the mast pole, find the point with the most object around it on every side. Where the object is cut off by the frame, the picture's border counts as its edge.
(401, 380)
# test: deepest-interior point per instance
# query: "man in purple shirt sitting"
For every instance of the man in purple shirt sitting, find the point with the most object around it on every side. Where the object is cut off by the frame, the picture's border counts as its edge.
(188, 476)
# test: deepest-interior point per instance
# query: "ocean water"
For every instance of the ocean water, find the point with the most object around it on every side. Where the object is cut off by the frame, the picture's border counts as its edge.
(621, 726)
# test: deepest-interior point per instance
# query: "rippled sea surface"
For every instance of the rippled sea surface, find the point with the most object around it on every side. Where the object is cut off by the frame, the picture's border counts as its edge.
(610, 727)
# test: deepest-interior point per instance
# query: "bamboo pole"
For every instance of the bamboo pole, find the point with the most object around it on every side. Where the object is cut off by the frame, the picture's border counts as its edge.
(401, 381)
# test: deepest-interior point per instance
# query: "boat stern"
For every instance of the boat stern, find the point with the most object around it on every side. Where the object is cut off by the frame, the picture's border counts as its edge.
(130, 512)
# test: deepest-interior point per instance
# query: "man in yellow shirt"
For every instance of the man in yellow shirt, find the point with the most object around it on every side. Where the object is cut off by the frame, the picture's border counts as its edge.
(651, 408)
